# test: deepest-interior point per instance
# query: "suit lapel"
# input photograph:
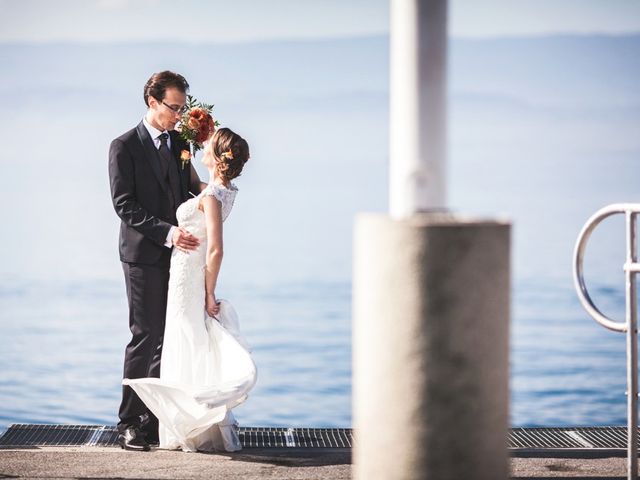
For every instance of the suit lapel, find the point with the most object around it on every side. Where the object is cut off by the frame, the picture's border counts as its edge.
(151, 153)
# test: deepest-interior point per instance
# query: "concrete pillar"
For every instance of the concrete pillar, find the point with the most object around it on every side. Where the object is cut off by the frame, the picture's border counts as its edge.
(430, 293)
(430, 347)
(418, 95)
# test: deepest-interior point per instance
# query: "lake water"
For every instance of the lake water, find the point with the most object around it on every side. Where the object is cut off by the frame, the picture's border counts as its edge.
(545, 137)
(63, 349)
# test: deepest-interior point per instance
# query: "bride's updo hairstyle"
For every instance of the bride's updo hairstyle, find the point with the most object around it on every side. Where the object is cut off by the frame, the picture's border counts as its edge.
(230, 153)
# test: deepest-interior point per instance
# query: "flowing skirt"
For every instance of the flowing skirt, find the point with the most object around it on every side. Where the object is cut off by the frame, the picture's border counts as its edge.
(206, 370)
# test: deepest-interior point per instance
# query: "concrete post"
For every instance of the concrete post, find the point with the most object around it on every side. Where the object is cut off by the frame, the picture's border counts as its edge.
(430, 293)
(430, 348)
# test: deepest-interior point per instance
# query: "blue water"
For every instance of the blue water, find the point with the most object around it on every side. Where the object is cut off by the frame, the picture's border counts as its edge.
(541, 131)
(63, 347)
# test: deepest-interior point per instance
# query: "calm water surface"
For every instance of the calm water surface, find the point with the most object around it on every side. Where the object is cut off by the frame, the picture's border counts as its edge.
(63, 350)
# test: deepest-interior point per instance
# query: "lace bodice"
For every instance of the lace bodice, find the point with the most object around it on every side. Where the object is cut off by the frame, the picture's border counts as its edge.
(226, 196)
(192, 218)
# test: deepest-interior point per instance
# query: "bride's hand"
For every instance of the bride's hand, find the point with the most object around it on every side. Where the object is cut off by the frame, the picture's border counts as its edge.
(211, 305)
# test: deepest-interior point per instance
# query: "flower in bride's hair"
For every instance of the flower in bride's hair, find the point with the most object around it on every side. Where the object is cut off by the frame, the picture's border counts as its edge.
(185, 157)
(228, 154)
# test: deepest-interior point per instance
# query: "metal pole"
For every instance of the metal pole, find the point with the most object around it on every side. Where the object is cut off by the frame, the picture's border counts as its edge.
(632, 350)
(418, 107)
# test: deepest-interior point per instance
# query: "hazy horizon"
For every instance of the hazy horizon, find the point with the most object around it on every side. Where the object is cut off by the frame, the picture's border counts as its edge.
(250, 19)
(288, 40)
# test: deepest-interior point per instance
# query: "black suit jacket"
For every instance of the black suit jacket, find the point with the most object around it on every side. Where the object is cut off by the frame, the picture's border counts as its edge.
(141, 196)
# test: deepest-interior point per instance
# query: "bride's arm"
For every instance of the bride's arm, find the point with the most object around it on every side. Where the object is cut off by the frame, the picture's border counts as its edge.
(213, 219)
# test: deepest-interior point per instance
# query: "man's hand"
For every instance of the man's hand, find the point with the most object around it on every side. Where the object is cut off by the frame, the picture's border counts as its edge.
(184, 241)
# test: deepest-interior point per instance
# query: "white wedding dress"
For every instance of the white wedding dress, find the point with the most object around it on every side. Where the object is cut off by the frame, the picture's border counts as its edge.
(206, 367)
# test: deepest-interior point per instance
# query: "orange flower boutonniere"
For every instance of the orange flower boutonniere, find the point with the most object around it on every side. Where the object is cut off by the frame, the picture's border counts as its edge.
(185, 157)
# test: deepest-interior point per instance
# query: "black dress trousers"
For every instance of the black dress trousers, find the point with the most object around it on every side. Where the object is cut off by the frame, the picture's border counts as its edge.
(147, 287)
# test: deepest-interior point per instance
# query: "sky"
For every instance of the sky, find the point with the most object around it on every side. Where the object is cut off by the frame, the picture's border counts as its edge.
(234, 21)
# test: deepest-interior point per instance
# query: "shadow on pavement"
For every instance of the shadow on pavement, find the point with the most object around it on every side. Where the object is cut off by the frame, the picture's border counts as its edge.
(293, 457)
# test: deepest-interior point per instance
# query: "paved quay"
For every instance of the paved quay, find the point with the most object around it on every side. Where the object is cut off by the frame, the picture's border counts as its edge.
(574, 468)
(113, 462)
(252, 463)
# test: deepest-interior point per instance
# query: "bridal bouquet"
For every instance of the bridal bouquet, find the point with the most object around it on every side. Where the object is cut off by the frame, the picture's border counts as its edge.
(195, 126)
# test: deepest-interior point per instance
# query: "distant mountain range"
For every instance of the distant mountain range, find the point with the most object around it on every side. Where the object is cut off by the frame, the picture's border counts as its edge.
(537, 72)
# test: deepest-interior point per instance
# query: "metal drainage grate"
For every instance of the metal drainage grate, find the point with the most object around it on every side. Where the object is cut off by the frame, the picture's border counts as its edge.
(566, 438)
(295, 437)
(24, 435)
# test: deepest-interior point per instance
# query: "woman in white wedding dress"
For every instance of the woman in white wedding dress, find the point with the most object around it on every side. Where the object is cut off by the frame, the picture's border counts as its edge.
(206, 368)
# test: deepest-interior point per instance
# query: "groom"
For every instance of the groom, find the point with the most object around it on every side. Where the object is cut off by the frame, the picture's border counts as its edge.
(148, 183)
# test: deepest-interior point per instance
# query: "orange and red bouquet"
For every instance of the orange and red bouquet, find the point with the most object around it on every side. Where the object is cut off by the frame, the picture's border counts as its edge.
(196, 125)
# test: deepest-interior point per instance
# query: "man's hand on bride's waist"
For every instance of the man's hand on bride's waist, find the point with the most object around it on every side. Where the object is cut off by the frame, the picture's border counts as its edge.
(184, 241)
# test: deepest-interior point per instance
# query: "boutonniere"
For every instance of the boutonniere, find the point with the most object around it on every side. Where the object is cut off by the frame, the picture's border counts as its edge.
(185, 157)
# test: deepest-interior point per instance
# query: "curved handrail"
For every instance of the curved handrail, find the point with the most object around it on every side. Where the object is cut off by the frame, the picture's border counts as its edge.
(578, 260)
(631, 268)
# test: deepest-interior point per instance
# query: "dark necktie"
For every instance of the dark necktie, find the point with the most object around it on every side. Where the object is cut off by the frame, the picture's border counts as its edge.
(165, 153)
(169, 170)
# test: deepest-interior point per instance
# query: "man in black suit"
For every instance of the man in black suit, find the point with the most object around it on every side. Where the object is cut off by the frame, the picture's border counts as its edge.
(148, 183)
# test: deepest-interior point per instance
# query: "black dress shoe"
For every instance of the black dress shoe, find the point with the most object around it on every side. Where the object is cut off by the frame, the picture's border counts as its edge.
(149, 429)
(133, 439)
(152, 438)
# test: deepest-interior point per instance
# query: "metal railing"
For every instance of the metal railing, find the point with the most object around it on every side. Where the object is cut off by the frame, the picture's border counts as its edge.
(630, 326)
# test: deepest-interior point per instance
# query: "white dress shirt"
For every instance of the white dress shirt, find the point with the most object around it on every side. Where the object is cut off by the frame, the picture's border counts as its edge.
(155, 135)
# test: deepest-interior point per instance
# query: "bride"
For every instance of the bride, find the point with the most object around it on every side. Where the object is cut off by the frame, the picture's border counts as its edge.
(206, 368)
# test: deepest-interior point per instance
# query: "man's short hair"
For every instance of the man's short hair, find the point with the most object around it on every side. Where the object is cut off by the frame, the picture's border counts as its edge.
(157, 85)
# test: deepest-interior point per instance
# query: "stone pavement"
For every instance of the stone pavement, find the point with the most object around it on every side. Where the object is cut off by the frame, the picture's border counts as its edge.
(113, 462)
(252, 463)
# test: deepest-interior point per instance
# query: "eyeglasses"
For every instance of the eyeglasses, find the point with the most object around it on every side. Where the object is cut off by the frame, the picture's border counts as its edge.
(179, 110)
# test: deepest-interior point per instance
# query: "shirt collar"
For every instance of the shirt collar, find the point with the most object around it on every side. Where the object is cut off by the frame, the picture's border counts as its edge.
(153, 131)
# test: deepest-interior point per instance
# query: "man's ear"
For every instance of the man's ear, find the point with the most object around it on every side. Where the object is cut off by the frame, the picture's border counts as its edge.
(153, 103)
